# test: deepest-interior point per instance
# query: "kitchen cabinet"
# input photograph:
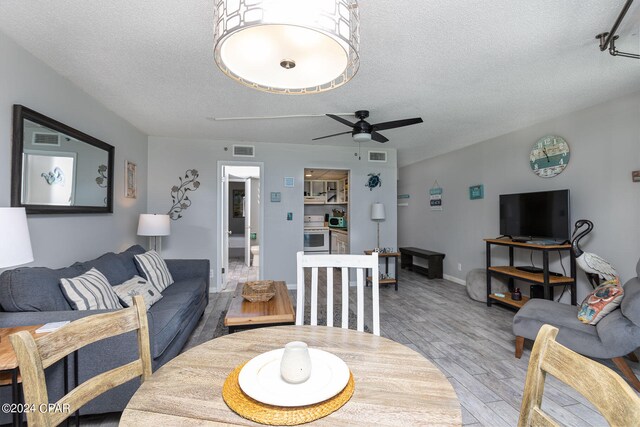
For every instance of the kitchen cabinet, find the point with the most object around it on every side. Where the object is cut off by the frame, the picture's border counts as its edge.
(333, 192)
(315, 192)
(339, 242)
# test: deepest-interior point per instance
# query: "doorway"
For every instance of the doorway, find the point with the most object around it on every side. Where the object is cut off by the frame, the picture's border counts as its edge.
(240, 224)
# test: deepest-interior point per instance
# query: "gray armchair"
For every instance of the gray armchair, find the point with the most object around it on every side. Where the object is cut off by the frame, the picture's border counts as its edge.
(614, 337)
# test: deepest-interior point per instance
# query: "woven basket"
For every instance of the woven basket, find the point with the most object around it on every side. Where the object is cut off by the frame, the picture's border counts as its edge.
(260, 291)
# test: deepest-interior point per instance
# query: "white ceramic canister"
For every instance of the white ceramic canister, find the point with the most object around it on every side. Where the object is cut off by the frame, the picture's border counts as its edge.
(295, 366)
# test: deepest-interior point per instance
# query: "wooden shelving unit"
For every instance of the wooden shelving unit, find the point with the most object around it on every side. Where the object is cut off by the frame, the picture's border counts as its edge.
(506, 299)
(531, 277)
(544, 279)
(386, 256)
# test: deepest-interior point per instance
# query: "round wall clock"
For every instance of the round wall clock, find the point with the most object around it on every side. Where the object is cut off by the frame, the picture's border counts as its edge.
(549, 156)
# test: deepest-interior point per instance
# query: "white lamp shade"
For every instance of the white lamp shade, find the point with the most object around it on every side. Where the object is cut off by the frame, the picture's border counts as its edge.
(154, 225)
(15, 244)
(377, 211)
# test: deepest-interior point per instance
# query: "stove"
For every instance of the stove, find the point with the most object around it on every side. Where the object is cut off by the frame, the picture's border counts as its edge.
(316, 235)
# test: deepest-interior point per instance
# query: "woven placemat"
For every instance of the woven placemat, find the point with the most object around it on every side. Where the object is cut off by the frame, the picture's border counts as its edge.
(253, 410)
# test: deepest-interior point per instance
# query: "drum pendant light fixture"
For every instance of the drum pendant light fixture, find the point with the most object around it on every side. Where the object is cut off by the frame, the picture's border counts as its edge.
(293, 47)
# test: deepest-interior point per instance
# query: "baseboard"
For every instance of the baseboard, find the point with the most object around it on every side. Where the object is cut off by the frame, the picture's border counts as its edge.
(454, 280)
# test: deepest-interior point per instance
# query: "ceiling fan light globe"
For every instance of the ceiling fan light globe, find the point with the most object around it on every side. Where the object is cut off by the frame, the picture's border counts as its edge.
(362, 137)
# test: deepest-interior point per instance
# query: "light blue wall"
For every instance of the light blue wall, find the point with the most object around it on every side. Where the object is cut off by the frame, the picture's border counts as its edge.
(605, 148)
(59, 240)
(195, 234)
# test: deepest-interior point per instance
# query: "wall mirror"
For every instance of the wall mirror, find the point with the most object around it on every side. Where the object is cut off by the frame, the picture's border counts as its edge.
(58, 169)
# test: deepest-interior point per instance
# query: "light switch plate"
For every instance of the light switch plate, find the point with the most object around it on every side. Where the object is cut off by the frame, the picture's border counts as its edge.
(275, 196)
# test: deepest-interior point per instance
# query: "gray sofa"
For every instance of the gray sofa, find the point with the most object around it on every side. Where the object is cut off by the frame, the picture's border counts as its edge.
(31, 296)
(615, 336)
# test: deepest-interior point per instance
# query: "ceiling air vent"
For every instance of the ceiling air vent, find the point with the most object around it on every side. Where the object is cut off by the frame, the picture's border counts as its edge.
(46, 138)
(378, 156)
(244, 151)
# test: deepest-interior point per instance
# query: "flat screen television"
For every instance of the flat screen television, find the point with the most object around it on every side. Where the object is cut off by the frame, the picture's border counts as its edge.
(540, 215)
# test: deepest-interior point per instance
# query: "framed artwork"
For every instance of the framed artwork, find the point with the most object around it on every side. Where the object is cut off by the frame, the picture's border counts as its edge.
(289, 181)
(635, 176)
(130, 185)
(476, 192)
(238, 203)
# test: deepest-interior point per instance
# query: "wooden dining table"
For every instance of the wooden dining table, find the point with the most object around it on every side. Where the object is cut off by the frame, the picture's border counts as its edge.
(394, 385)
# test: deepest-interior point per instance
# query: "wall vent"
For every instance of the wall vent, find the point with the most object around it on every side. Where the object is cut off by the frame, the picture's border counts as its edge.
(46, 138)
(378, 156)
(244, 151)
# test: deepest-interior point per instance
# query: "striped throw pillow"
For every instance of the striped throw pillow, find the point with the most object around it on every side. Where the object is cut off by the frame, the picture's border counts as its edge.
(154, 269)
(90, 291)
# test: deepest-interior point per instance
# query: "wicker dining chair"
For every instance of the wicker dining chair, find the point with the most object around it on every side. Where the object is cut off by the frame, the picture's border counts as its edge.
(345, 262)
(36, 354)
(605, 389)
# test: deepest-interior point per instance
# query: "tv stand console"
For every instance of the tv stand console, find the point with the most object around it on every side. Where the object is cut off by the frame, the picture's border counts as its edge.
(545, 279)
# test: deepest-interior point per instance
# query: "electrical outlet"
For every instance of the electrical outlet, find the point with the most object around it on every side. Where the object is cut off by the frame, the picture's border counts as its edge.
(459, 267)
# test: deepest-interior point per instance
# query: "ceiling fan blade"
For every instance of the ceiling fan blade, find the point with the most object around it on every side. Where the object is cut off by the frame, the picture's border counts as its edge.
(329, 136)
(341, 120)
(397, 124)
(378, 137)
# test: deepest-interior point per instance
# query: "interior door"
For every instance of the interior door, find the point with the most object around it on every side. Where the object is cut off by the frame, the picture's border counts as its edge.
(247, 222)
(224, 250)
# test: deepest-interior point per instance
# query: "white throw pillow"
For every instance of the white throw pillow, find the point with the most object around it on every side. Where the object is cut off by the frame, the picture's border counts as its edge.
(154, 269)
(90, 291)
(137, 286)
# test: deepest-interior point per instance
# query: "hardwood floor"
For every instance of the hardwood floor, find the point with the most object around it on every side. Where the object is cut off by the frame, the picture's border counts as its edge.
(472, 344)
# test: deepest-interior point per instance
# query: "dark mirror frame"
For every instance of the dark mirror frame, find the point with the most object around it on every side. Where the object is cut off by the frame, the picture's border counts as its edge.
(20, 114)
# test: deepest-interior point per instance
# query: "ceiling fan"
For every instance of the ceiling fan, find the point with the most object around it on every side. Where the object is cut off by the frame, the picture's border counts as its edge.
(363, 131)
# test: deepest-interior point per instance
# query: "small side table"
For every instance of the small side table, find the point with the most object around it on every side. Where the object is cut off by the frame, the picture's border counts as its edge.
(9, 365)
(386, 256)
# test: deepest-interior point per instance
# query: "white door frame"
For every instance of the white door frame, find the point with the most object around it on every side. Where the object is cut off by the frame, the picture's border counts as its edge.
(219, 240)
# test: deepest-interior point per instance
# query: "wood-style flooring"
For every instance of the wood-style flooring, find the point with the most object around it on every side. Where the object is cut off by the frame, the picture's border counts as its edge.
(472, 344)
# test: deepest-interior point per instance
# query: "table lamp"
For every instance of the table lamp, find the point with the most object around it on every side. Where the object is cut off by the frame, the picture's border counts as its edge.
(15, 244)
(155, 226)
(377, 215)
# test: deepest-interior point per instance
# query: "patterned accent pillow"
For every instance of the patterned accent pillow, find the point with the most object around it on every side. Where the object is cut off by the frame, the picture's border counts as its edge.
(155, 270)
(602, 301)
(137, 286)
(90, 291)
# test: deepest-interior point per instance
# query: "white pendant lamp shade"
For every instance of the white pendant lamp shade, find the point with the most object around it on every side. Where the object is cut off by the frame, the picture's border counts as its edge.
(15, 243)
(154, 225)
(377, 211)
(287, 46)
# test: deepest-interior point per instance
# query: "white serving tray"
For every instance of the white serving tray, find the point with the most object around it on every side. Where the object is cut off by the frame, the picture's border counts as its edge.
(260, 379)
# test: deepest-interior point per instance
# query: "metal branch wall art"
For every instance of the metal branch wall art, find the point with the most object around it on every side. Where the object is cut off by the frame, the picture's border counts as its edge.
(101, 180)
(179, 192)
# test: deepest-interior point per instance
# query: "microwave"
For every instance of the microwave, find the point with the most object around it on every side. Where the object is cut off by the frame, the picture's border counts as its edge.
(337, 221)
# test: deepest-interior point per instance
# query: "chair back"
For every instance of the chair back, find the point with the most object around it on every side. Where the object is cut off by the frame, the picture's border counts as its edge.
(34, 355)
(605, 389)
(343, 262)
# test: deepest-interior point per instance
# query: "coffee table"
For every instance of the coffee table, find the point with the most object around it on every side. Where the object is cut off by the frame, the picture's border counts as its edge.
(243, 314)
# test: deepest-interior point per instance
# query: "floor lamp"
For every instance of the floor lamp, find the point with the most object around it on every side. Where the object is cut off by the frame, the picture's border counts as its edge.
(155, 226)
(377, 215)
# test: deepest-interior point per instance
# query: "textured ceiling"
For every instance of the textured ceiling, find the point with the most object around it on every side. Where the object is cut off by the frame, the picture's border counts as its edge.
(472, 70)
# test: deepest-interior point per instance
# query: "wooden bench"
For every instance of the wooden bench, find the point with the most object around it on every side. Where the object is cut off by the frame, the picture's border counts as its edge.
(434, 261)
